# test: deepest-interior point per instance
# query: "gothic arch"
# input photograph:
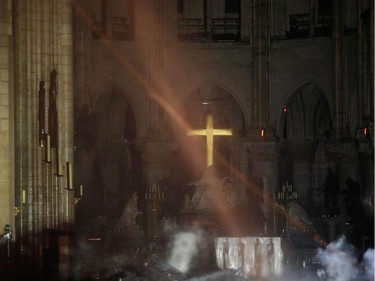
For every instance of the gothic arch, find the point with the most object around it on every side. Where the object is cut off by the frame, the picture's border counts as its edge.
(209, 83)
(305, 114)
(210, 97)
(116, 128)
(136, 98)
(114, 106)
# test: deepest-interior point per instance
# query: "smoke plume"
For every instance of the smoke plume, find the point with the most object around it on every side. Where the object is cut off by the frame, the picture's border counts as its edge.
(185, 247)
(341, 263)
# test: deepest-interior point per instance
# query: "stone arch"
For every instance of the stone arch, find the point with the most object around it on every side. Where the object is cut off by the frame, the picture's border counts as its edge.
(114, 105)
(207, 83)
(304, 124)
(115, 154)
(304, 114)
(136, 97)
(211, 97)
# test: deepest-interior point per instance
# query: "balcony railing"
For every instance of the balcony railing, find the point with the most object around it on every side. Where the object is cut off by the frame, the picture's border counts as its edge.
(324, 26)
(225, 29)
(191, 29)
(299, 26)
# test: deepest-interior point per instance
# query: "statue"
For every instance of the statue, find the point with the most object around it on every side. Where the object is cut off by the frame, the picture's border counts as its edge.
(129, 214)
(352, 199)
(331, 193)
(127, 236)
(212, 192)
(298, 216)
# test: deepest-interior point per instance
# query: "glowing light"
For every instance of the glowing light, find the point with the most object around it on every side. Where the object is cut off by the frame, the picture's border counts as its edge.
(262, 132)
(163, 101)
(365, 131)
(210, 132)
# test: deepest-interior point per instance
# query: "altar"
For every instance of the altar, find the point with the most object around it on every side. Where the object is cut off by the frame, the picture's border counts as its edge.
(252, 257)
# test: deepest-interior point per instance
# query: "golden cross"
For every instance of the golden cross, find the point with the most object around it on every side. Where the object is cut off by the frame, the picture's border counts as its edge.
(210, 132)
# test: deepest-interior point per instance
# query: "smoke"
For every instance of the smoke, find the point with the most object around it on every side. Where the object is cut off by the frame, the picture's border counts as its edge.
(341, 264)
(90, 259)
(368, 264)
(185, 248)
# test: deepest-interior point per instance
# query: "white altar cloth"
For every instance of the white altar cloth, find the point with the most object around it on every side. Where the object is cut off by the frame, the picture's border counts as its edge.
(250, 256)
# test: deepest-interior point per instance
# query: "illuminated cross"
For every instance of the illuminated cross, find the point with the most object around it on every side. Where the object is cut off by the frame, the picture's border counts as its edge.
(210, 132)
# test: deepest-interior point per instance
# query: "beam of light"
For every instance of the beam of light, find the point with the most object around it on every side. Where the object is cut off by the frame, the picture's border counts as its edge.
(269, 201)
(175, 116)
(152, 93)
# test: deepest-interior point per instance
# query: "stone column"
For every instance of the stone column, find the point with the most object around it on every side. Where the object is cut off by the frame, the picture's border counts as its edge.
(367, 172)
(6, 118)
(263, 163)
(365, 88)
(170, 20)
(344, 156)
(312, 17)
(260, 55)
(302, 154)
(156, 156)
(43, 42)
(339, 99)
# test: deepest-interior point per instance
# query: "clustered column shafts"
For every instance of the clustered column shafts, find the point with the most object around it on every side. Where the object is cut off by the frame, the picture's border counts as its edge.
(42, 203)
(339, 94)
(260, 54)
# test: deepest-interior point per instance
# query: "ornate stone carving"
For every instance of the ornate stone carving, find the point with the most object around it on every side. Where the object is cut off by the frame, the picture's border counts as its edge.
(212, 193)
(130, 212)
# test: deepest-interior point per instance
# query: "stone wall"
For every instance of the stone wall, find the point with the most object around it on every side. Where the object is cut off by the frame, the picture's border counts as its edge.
(6, 113)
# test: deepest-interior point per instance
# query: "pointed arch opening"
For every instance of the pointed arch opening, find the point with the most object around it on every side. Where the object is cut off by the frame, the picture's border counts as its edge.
(305, 115)
(113, 173)
(211, 99)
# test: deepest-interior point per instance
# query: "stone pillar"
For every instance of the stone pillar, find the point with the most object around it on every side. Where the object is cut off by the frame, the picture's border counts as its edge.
(302, 154)
(366, 173)
(170, 20)
(260, 55)
(312, 17)
(339, 93)
(344, 157)
(43, 42)
(6, 117)
(156, 156)
(365, 60)
(153, 29)
(263, 164)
